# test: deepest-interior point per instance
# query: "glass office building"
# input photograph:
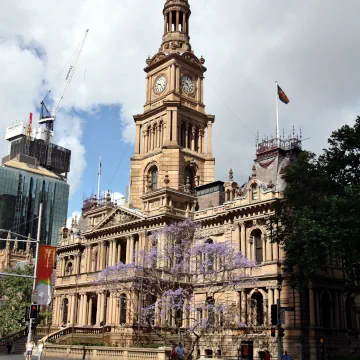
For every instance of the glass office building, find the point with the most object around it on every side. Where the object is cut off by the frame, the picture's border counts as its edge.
(22, 188)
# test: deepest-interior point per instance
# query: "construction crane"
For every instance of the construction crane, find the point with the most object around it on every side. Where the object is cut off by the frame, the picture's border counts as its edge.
(47, 117)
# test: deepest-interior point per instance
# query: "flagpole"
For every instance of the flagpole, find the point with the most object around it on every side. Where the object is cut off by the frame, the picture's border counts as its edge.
(99, 177)
(277, 113)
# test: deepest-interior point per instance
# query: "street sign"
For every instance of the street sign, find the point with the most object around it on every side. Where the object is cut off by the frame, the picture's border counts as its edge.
(282, 316)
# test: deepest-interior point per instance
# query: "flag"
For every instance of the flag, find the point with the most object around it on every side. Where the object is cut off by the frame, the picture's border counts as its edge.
(45, 273)
(282, 96)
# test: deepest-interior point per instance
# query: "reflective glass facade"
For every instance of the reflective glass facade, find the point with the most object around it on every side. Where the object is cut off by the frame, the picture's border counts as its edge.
(20, 195)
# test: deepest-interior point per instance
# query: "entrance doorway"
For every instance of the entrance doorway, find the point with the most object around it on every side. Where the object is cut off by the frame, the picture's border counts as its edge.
(247, 350)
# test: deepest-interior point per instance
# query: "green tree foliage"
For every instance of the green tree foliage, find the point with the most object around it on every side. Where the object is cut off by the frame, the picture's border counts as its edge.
(15, 296)
(319, 222)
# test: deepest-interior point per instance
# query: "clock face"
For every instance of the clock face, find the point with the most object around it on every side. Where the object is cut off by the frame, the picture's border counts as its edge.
(160, 84)
(187, 84)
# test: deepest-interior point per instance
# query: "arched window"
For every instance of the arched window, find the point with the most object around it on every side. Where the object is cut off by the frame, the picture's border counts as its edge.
(257, 242)
(65, 311)
(257, 304)
(349, 310)
(210, 302)
(153, 178)
(123, 305)
(254, 192)
(69, 268)
(325, 309)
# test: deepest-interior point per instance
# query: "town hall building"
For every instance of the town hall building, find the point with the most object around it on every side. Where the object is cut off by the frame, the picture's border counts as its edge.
(172, 179)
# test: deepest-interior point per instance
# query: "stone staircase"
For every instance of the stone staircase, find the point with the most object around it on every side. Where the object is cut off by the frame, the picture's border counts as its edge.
(18, 340)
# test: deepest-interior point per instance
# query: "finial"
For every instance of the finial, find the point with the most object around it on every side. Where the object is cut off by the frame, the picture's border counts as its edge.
(166, 180)
(231, 175)
(202, 60)
(253, 174)
(293, 131)
(108, 197)
(300, 133)
(148, 60)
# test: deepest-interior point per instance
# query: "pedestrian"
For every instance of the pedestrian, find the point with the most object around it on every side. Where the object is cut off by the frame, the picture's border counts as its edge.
(40, 349)
(29, 350)
(286, 356)
(173, 355)
(267, 355)
(180, 351)
(9, 345)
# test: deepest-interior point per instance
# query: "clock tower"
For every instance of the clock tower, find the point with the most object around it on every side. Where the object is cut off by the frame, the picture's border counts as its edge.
(173, 144)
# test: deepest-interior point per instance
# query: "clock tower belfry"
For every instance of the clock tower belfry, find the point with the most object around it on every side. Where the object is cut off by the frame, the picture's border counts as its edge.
(174, 134)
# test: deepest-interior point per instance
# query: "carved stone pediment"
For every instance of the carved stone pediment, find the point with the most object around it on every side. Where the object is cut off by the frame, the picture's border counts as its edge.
(118, 217)
(156, 58)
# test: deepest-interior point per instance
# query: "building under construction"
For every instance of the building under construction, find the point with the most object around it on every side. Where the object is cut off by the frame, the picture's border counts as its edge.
(34, 171)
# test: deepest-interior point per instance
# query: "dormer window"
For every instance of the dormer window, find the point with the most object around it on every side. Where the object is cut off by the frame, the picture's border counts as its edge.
(254, 192)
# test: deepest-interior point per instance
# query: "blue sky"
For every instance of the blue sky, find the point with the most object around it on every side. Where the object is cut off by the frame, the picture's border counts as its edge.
(102, 136)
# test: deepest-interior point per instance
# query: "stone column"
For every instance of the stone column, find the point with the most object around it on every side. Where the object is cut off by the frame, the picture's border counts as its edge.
(177, 21)
(193, 138)
(243, 238)
(165, 24)
(89, 311)
(171, 22)
(168, 126)
(98, 307)
(131, 254)
(275, 251)
(177, 79)
(103, 303)
(79, 310)
(85, 309)
(137, 139)
(144, 141)
(186, 135)
(183, 23)
(118, 252)
(55, 310)
(173, 77)
(209, 138)
(174, 126)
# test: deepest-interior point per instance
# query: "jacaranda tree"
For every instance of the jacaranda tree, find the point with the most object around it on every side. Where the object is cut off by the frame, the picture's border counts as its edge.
(176, 287)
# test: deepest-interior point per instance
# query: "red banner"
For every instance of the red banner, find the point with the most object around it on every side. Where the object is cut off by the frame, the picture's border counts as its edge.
(45, 270)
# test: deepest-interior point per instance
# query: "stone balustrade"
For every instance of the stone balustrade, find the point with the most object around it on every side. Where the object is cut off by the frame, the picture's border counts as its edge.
(104, 353)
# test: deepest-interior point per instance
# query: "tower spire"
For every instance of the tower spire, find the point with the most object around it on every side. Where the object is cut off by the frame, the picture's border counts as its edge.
(176, 37)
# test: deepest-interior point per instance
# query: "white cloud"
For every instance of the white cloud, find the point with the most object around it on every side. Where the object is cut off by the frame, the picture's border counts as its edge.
(310, 47)
(69, 132)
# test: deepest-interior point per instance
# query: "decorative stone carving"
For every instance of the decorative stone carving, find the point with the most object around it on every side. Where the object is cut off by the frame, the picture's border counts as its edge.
(208, 232)
(120, 218)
